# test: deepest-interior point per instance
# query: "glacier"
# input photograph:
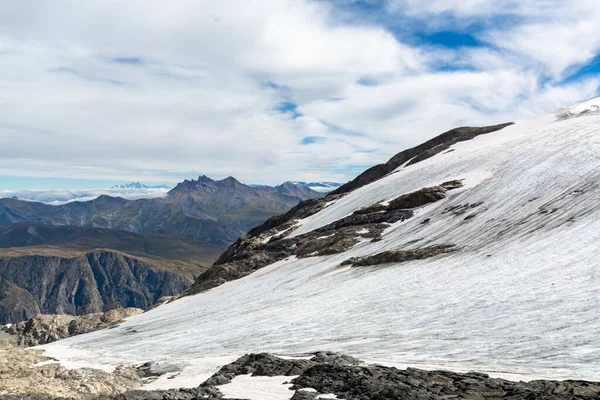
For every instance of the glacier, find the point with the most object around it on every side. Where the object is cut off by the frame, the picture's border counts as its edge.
(520, 298)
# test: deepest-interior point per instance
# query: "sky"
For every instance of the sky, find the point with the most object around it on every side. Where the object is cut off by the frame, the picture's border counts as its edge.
(101, 91)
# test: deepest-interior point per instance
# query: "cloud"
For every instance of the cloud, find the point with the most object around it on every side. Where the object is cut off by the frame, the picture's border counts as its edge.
(146, 90)
(62, 196)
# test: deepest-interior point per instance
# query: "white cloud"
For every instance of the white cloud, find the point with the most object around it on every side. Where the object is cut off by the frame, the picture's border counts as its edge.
(198, 82)
(62, 196)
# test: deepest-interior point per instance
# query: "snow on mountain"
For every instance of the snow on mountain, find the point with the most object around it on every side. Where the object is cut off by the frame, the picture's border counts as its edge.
(322, 187)
(520, 297)
(138, 185)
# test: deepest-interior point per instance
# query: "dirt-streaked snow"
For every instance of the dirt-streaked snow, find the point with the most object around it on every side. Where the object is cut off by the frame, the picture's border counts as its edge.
(521, 298)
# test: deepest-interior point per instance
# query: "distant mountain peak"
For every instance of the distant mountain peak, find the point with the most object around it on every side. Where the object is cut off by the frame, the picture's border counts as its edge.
(138, 185)
(204, 179)
(322, 187)
(231, 181)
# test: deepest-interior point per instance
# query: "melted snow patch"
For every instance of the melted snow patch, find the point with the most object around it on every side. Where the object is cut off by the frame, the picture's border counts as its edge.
(258, 388)
(195, 372)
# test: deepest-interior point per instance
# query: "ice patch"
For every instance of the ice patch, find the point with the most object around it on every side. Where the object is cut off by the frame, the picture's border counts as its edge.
(258, 388)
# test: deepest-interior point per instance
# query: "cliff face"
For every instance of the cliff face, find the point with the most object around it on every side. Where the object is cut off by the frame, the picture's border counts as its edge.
(93, 282)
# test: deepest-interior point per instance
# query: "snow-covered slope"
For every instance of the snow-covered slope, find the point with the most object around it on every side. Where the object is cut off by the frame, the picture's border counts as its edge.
(323, 187)
(520, 297)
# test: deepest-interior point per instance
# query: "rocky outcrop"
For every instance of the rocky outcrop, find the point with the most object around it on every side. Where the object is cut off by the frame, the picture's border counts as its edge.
(327, 374)
(91, 283)
(263, 246)
(400, 256)
(44, 328)
(416, 154)
(375, 382)
(27, 374)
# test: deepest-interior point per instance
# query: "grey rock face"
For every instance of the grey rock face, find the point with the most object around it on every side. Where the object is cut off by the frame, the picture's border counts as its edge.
(92, 283)
(43, 328)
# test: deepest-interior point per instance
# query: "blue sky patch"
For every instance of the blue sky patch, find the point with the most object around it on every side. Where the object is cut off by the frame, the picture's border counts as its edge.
(288, 107)
(312, 140)
(592, 67)
(449, 39)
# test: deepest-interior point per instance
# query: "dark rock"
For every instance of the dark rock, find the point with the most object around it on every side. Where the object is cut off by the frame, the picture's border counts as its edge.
(350, 379)
(461, 209)
(304, 395)
(373, 382)
(324, 357)
(417, 154)
(414, 199)
(259, 365)
(398, 256)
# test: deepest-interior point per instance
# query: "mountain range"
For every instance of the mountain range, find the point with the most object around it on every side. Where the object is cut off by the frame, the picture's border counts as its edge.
(89, 257)
(216, 212)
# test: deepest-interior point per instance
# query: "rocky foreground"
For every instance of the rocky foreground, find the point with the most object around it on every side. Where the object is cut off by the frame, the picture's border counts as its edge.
(323, 375)
(47, 328)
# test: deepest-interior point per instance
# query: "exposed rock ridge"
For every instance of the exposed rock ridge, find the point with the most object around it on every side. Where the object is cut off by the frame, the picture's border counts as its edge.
(327, 374)
(417, 154)
(253, 252)
(399, 256)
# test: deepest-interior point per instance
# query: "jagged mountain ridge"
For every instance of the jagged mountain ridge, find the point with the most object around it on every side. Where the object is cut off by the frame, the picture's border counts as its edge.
(217, 212)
